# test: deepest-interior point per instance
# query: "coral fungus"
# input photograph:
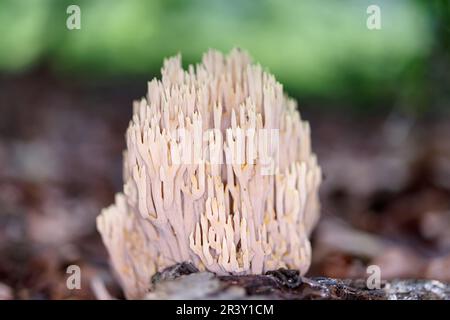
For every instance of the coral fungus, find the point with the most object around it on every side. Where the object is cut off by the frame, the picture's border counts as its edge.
(218, 172)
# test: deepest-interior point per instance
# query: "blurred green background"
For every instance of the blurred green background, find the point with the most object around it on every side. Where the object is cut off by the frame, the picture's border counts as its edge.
(321, 51)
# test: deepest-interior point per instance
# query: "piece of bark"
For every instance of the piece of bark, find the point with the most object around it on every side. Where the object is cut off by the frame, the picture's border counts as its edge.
(183, 282)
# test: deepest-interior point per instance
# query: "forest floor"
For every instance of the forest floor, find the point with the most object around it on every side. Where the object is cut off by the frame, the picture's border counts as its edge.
(385, 195)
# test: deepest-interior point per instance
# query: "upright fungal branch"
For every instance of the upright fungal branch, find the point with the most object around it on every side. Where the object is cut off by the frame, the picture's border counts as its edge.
(218, 172)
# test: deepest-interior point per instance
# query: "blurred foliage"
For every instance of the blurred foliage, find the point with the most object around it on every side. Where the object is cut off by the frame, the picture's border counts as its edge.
(316, 48)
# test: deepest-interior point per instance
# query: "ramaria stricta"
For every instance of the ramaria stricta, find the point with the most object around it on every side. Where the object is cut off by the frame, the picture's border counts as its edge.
(218, 172)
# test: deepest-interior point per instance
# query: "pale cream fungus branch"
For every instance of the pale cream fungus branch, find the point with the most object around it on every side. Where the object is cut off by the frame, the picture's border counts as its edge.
(196, 186)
